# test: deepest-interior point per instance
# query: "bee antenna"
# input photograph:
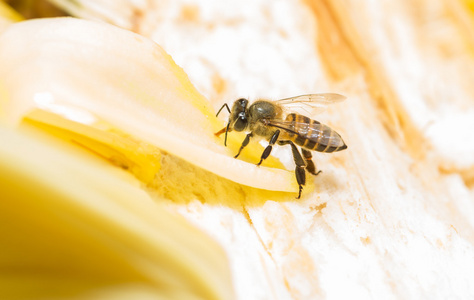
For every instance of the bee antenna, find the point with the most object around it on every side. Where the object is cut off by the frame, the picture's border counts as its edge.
(226, 106)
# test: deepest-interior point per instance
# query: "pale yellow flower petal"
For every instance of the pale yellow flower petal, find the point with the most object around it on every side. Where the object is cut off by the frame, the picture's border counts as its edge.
(91, 72)
(71, 226)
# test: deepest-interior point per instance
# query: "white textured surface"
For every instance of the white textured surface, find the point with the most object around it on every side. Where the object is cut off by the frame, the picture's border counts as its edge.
(379, 225)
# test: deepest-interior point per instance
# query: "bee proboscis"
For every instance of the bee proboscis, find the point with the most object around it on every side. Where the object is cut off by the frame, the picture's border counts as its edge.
(284, 122)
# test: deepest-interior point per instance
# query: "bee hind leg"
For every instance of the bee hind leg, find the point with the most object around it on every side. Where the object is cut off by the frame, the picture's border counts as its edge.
(310, 166)
(300, 166)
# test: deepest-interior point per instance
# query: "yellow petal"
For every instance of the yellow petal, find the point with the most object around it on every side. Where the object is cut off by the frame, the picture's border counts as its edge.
(8, 13)
(141, 159)
(68, 66)
(7, 16)
(70, 226)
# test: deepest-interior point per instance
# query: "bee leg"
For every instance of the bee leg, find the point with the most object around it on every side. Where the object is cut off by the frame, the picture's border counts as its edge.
(300, 166)
(244, 144)
(268, 149)
(310, 167)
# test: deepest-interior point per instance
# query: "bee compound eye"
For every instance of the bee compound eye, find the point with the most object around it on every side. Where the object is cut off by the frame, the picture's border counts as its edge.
(241, 123)
(243, 102)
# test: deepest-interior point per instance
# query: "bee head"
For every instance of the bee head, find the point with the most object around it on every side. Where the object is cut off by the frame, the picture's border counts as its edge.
(238, 117)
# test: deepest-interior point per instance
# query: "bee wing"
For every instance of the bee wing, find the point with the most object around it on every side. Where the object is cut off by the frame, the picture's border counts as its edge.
(313, 131)
(309, 104)
(308, 130)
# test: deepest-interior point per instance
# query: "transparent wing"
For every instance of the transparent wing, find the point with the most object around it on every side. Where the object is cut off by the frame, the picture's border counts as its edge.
(309, 104)
(311, 131)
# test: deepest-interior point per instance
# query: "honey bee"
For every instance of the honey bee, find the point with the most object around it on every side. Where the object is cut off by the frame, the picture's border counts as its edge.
(284, 122)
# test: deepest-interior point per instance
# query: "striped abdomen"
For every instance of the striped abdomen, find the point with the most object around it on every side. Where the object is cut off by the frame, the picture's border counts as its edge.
(312, 135)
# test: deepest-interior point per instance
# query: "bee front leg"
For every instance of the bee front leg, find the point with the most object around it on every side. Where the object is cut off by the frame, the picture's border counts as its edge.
(268, 149)
(244, 144)
(310, 167)
(300, 166)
